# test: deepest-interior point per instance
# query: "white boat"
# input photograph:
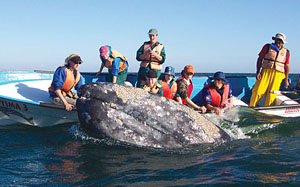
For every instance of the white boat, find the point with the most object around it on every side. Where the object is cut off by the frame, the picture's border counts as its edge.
(284, 106)
(24, 98)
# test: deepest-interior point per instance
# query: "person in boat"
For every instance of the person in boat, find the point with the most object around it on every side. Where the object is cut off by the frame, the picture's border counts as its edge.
(152, 55)
(116, 63)
(273, 59)
(169, 85)
(65, 78)
(185, 88)
(152, 84)
(217, 94)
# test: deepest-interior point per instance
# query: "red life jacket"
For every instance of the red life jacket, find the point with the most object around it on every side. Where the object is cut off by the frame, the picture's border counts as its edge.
(217, 99)
(167, 91)
(190, 89)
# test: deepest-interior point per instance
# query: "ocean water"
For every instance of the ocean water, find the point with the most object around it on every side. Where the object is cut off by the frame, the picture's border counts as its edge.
(264, 151)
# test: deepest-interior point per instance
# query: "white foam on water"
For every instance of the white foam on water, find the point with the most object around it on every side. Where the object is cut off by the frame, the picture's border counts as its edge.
(77, 132)
(227, 121)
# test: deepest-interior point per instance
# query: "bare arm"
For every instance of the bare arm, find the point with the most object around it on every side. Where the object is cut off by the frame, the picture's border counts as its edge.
(101, 68)
(192, 104)
(287, 71)
(258, 66)
(179, 100)
(217, 110)
(114, 79)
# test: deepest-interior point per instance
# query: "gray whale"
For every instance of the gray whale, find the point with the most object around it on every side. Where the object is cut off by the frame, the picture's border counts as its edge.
(134, 116)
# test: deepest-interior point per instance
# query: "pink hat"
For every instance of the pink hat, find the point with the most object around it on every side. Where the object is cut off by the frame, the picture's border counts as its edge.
(103, 50)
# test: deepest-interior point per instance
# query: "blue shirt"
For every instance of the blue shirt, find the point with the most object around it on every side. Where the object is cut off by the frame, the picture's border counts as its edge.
(59, 80)
(116, 64)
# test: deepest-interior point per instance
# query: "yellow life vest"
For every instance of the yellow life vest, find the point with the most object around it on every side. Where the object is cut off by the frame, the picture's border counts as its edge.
(274, 59)
(153, 65)
(69, 83)
(115, 54)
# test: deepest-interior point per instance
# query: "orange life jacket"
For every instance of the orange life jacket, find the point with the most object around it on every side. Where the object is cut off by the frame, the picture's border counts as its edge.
(69, 83)
(217, 99)
(153, 65)
(190, 89)
(274, 59)
(115, 54)
(167, 91)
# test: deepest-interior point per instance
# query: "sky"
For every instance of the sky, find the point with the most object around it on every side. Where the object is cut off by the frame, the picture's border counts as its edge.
(211, 35)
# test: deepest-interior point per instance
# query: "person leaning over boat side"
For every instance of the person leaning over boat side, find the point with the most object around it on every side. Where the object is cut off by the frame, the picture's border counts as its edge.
(65, 78)
(116, 63)
(216, 94)
(185, 87)
(274, 61)
(152, 55)
(152, 84)
(168, 84)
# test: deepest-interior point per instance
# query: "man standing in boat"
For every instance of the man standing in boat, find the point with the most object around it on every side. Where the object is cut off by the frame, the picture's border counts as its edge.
(115, 62)
(274, 61)
(65, 78)
(217, 94)
(152, 55)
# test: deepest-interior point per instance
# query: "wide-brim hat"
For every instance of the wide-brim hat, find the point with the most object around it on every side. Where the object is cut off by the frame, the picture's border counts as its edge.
(169, 70)
(219, 75)
(74, 58)
(280, 36)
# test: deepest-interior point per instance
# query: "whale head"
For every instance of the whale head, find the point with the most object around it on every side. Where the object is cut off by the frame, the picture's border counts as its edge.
(135, 116)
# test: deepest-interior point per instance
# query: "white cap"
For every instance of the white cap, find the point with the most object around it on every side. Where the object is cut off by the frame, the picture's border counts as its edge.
(280, 36)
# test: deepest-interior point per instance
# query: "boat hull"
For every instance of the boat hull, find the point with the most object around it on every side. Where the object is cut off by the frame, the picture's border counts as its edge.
(34, 114)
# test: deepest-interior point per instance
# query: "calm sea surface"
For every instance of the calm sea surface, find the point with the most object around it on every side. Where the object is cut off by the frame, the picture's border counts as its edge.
(266, 151)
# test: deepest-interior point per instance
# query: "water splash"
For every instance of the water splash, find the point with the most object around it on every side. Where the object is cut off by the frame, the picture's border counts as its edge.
(228, 122)
(79, 133)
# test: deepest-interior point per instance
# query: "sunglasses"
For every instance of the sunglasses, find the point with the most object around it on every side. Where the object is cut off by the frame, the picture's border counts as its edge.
(78, 62)
(190, 73)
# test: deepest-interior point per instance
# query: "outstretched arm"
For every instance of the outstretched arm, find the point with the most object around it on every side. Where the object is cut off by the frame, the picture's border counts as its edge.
(101, 68)
(192, 104)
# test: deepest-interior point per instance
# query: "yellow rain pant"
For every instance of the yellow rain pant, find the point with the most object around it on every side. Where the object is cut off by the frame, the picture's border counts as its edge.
(270, 81)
